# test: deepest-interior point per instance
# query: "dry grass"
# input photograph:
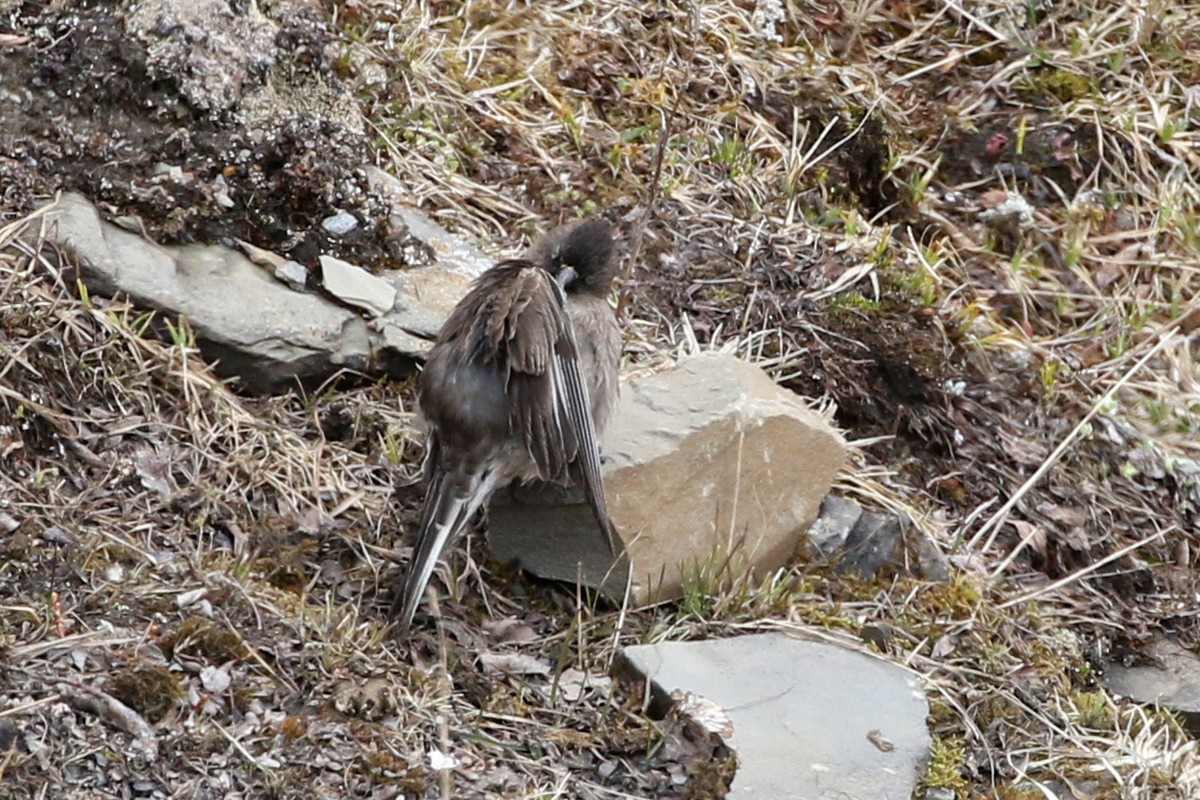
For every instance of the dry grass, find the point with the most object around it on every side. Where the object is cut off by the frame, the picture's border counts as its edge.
(1025, 269)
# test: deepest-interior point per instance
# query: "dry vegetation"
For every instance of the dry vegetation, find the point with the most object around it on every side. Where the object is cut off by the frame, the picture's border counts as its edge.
(972, 226)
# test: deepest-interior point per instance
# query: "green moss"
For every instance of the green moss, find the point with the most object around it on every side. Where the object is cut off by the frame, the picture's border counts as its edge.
(854, 303)
(946, 761)
(1019, 793)
(1062, 85)
(1094, 710)
(197, 634)
(956, 599)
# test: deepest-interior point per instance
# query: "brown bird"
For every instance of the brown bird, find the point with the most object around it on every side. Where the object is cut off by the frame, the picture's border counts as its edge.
(520, 384)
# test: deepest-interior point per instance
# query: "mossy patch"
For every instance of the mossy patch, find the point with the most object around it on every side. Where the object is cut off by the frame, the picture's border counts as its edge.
(148, 689)
(213, 640)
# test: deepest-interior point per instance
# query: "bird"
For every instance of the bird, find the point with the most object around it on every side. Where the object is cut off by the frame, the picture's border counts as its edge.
(520, 384)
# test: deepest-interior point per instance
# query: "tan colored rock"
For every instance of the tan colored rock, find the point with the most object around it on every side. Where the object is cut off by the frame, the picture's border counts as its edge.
(711, 468)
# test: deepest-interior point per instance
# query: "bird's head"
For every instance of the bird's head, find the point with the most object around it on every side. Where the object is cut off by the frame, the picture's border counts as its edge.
(582, 255)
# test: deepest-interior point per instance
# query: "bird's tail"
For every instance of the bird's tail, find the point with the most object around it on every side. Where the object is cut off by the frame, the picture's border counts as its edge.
(444, 515)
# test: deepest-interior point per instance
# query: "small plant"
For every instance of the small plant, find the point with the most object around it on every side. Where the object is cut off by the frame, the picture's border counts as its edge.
(919, 182)
(1094, 710)
(946, 762)
(181, 334)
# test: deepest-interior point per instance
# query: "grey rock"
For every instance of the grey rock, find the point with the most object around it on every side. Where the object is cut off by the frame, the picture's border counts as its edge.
(804, 724)
(293, 274)
(932, 563)
(833, 526)
(868, 543)
(1170, 680)
(242, 317)
(709, 467)
(257, 328)
(446, 251)
(941, 793)
(340, 223)
(8, 735)
(356, 286)
(871, 545)
(424, 298)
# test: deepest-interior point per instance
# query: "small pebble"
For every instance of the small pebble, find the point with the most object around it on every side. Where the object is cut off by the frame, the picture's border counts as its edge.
(293, 273)
(340, 223)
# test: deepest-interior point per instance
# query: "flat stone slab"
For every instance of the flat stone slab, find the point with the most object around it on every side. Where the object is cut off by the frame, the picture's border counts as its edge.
(260, 325)
(811, 720)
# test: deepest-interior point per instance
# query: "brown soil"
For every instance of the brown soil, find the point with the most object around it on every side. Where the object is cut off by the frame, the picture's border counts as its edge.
(94, 120)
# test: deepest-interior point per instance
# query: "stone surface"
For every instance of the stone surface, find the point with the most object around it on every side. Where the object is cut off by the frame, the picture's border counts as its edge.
(426, 295)
(709, 467)
(830, 531)
(810, 720)
(451, 253)
(293, 274)
(356, 286)
(340, 223)
(254, 320)
(868, 543)
(242, 316)
(1171, 680)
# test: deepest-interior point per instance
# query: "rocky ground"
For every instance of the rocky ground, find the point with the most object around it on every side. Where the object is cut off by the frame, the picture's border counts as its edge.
(971, 228)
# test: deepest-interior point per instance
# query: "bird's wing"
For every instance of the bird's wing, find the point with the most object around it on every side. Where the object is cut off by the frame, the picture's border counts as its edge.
(572, 394)
(538, 335)
(551, 408)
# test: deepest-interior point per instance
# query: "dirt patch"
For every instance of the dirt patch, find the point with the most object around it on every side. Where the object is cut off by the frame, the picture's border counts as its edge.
(104, 112)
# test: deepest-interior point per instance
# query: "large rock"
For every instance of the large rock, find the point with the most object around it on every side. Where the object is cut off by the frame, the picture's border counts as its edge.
(1170, 679)
(808, 720)
(252, 322)
(711, 471)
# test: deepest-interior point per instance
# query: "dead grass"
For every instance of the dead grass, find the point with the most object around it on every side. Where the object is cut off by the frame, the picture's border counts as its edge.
(972, 227)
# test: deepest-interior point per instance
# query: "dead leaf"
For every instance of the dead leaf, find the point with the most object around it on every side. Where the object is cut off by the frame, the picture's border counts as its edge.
(154, 471)
(1069, 516)
(992, 198)
(881, 742)
(509, 631)
(944, 646)
(573, 682)
(1108, 273)
(1031, 535)
(704, 712)
(568, 737)
(215, 679)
